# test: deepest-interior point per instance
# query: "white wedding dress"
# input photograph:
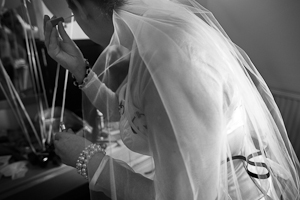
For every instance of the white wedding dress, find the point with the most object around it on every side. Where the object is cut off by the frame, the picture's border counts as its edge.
(194, 101)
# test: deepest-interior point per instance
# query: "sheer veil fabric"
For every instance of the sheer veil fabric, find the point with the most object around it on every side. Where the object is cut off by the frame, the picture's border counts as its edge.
(221, 134)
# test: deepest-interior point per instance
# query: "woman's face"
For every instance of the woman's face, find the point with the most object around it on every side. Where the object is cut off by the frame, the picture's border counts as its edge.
(95, 24)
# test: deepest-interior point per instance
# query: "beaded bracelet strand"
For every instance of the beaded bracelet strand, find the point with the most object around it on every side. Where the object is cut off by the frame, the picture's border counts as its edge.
(84, 157)
(87, 71)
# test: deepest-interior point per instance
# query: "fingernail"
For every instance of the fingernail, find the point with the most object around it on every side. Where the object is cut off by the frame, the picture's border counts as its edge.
(56, 21)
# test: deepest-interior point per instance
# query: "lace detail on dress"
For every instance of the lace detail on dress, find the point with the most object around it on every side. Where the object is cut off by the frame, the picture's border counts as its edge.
(133, 126)
(138, 121)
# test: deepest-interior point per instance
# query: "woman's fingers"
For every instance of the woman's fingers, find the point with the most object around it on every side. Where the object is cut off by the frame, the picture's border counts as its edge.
(47, 30)
(51, 35)
(68, 146)
(60, 46)
(80, 133)
(53, 47)
(57, 136)
(46, 19)
(65, 37)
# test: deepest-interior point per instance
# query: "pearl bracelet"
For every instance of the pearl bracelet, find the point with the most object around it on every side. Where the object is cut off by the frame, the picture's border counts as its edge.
(84, 157)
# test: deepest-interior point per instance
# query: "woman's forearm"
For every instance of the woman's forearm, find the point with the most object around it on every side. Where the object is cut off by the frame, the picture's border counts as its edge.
(117, 178)
(105, 100)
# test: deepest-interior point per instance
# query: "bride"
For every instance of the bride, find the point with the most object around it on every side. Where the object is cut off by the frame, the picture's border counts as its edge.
(192, 100)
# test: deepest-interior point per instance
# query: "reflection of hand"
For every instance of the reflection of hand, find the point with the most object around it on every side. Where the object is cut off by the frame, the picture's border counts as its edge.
(63, 50)
(68, 146)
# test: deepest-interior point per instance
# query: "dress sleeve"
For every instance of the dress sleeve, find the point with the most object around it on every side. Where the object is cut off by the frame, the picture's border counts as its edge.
(99, 94)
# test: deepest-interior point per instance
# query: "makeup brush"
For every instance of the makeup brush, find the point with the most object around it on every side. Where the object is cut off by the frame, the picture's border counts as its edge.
(55, 21)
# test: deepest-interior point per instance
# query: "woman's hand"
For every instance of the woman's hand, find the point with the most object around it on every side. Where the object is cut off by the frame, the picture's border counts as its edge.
(68, 146)
(63, 50)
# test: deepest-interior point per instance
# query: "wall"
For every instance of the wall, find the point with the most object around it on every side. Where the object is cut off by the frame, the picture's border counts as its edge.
(269, 31)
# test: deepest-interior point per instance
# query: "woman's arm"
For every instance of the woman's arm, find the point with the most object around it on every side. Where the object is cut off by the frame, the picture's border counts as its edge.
(184, 169)
(102, 93)
(116, 179)
(105, 100)
(63, 50)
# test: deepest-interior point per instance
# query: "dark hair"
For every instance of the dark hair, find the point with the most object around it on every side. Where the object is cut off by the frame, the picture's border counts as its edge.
(106, 5)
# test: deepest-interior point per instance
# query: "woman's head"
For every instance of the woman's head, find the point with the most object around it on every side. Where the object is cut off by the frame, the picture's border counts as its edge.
(107, 6)
(95, 17)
